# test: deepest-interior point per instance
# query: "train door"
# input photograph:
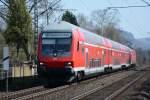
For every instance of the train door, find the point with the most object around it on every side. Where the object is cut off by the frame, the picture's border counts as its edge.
(109, 57)
(106, 57)
(103, 57)
(86, 57)
(130, 58)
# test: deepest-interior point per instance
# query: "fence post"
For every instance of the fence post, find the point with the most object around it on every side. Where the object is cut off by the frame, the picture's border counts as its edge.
(6, 64)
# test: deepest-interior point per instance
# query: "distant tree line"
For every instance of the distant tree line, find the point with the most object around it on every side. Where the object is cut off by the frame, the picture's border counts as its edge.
(19, 32)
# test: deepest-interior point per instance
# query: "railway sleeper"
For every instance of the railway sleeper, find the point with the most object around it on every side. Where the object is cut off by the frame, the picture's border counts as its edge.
(123, 67)
(79, 75)
(108, 69)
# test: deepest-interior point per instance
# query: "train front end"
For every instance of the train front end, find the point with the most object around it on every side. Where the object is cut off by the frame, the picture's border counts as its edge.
(55, 55)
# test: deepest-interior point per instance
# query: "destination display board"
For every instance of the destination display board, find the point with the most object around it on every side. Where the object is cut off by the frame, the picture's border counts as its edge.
(56, 35)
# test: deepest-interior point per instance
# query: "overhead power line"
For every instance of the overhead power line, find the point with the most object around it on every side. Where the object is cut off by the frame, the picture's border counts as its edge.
(146, 2)
(142, 6)
(84, 4)
(129, 7)
(56, 10)
(50, 7)
(34, 5)
(135, 27)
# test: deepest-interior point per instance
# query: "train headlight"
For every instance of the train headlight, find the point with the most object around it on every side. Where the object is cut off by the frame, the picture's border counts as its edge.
(41, 63)
(68, 64)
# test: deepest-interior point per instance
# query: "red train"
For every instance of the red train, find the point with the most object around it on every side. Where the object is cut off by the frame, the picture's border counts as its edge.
(67, 52)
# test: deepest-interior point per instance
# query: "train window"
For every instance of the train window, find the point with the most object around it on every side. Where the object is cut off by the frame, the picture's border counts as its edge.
(95, 62)
(90, 62)
(99, 62)
(118, 54)
(123, 55)
(83, 50)
(78, 46)
(112, 53)
(102, 52)
(48, 41)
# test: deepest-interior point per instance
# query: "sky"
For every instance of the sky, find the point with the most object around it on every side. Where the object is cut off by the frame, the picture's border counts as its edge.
(134, 20)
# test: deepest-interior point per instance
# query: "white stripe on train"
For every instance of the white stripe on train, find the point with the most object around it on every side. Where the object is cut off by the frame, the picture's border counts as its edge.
(88, 70)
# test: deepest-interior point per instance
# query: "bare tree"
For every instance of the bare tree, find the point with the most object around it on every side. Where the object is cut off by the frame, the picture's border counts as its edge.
(85, 22)
(45, 7)
(82, 20)
(102, 18)
(113, 33)
(102, 22)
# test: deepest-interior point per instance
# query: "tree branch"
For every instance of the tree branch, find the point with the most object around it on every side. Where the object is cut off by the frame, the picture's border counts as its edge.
(3, 16)
(34, 6)
(50, 7)
(4, 3)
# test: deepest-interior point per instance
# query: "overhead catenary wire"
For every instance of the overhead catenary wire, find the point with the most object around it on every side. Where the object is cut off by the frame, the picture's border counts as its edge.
(146, 2)
(129, 6)
(86, 7)
(135, 27)
(138, 25)
(134, 6)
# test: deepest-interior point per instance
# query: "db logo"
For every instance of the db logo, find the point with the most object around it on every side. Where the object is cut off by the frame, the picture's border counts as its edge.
(55, 59)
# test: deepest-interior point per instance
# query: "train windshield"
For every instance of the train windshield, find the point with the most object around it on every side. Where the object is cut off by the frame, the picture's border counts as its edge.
(56, 44)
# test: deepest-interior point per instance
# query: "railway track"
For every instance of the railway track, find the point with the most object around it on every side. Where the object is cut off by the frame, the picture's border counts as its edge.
(119, 91)
(22, 92)
(41, 91)
(112, 91)
(69, 91)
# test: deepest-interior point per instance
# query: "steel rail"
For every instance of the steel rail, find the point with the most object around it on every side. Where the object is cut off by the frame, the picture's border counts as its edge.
(93, 91)
(22, 92)
(119, 91)
(37, 92)
(49, 91)
(34, 95)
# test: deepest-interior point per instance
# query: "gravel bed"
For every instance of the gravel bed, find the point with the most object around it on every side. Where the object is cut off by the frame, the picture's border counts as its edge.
(137, 90)
(143, 91)
(107, 91)
(12, 95)
(1, 94)
(75, 90)
(4, 93)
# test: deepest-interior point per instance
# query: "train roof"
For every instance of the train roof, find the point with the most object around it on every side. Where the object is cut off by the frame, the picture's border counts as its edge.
(60, 26)
(90, 37)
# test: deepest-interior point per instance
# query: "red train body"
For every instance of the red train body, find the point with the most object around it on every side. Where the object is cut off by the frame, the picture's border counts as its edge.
(68, 52)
